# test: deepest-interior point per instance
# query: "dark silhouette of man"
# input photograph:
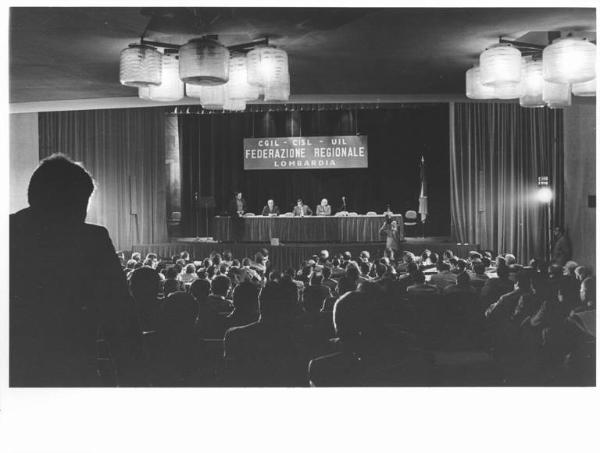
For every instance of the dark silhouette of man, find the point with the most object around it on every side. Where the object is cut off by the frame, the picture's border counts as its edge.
(78, 297)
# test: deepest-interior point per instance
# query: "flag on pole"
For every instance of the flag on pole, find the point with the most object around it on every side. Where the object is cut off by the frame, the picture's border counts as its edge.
(423, 195)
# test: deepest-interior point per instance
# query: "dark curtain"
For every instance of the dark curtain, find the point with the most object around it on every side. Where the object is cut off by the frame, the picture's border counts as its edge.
(124, 151)
(211, 149)
(497, 153)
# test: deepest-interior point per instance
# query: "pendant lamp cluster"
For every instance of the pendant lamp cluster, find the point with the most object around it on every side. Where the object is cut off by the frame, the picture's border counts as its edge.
(221, 78)
(538, 76)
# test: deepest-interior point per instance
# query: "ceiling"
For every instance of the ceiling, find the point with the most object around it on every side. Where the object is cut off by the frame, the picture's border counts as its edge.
(60, 53)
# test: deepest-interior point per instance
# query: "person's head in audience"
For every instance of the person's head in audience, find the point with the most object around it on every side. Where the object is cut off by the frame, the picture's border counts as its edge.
(152, 256)
(352, 272)
(412, 268)
(385, 260)
(582, 272)
(171, 286)
(461, 265)
(365, 256)
(238, 195)
(365, 268)
(434, 258)
(336, 262)
(190, 269)
(245, 298)
(510, 259)
(487, 262)
(479, 268)
(216, 259)
(463, 280)
(347, 256)
(381, 270)
(59, 190)
(144, 284)
(587, 293)
(220, 285)
(323, 256)
(236, 263)
(346, 284)
(179, 313)
(180, 264)
(136, 256)
(259, 258)
(326, 273)
(453, 262)
(246, 262)
(535, 264)
(500, 261)
(185, 256)
(138, 265)
(200, 289)
(523, 281)
(227, 256)
(555, 271)
(149, 263)
(130, 264)
(223, 268)
(171, 273)
(448, 254)
(408, 257)
(570, 267)
(474, 256)
(355, 319)
(503, 272)
(275, 304)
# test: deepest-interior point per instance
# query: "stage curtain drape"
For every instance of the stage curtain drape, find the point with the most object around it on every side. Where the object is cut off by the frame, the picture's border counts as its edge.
(211, 147)
(124, 150)
(497, 152)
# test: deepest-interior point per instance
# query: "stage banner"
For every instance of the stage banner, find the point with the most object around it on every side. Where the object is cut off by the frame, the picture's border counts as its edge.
(310, 153)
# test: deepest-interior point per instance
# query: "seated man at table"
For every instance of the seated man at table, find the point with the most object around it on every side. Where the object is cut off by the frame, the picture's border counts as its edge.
(270, 209)
(301, 210)
(324, 208)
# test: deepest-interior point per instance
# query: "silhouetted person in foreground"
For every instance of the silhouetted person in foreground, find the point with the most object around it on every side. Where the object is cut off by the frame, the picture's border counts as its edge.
(78, 295)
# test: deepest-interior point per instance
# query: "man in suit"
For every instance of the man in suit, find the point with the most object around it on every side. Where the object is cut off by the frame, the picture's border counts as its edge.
(77, 299)
(324, 209)
(393, 236)
(270, 209)
(301, 210)
(561, 250)
(237, 208)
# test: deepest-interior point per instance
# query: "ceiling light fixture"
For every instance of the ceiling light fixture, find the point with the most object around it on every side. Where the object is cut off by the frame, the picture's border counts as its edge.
(538, 75)
(140, 66)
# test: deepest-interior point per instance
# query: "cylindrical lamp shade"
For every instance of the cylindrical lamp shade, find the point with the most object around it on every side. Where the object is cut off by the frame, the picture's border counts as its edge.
(267, 65)
(238, 86)
(500, 65)
(570, 60)
(204, 61)
(171, 88)
(584, 88)
(508, 91)
(279, 90)
(213, 97)
(474, 87)
(532, 84)
(557, 95)
(140, 66)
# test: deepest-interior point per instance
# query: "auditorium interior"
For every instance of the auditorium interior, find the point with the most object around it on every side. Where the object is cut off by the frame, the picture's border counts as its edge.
(454, 177)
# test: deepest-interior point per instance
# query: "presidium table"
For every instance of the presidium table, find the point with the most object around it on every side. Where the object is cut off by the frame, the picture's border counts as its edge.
(353, 228)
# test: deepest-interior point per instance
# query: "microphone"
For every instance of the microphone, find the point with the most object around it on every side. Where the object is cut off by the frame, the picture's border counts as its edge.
(195, 196)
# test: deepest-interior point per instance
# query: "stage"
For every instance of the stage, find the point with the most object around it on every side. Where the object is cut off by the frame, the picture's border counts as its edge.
(292, 255)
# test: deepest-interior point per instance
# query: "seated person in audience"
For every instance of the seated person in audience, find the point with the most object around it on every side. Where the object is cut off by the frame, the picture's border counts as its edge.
(217, 299)
(530, 302)
(249, 268)
(368, 354)
(144, 286)
(582, 272)
(245, 305)
(188, 275)
(185, 256)
(346, 284)
(172, 281)
(207, 322)
(337, 271)
(265, 353)
(301, 209)
(324, 209)
(461, 266)
(77, 296)
(324, 258)
(316, 288)
(136, 256)
(228, 257)
(506, 304)
(328, 281)
(462, 286)
(364, 257)
(403, 265)
(444, 277)
(270, 209)
(174, 355)
(420, 287)
(365, 269)
(478, 277)
(496, 287)
(447, 255)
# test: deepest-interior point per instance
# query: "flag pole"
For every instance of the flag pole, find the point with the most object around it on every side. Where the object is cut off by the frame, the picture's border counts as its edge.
(423, 205)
